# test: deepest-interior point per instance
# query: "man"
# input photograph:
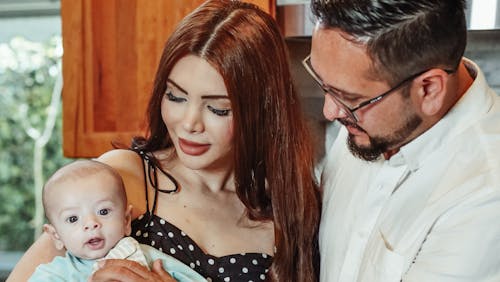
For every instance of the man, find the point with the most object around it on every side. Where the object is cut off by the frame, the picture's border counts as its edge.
(412, 183)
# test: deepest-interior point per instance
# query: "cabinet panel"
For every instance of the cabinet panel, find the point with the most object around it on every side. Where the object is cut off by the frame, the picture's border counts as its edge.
(111, 51)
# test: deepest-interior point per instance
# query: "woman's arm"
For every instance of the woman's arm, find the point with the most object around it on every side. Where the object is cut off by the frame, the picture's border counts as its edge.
(129, 166)
(42, 251)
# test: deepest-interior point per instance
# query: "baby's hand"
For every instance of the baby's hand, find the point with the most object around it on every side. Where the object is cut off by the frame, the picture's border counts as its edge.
(129, 271)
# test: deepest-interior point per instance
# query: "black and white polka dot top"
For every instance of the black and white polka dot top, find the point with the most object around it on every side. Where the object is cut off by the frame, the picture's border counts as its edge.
(154, 231)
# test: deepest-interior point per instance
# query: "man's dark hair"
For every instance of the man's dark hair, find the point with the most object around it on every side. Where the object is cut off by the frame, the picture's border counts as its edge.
(403, 37)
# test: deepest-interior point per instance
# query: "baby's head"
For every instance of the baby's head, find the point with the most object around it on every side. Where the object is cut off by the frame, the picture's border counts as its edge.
(86, 205)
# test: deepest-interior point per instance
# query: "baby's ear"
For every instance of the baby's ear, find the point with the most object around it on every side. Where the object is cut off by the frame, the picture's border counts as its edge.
(49, 229)
(128, 220)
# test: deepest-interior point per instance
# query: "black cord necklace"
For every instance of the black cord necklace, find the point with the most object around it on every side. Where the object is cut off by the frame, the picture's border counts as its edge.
(153, 175)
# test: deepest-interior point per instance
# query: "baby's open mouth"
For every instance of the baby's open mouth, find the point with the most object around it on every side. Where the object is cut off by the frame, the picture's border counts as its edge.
(95, 243)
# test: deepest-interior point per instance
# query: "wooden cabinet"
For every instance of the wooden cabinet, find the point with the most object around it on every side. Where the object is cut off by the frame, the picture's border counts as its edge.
(111, 51)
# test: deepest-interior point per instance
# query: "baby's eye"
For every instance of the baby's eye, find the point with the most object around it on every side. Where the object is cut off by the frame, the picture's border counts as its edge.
(103, 211)
(72, 219)
(219, 112)
(173, 98)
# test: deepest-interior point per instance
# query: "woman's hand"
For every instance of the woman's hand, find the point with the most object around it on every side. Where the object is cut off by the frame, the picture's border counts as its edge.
(129, 271)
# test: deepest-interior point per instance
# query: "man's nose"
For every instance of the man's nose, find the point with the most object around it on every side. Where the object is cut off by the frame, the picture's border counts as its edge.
(332, 110)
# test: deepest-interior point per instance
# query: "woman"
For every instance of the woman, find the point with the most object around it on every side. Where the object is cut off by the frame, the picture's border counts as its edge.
(223, 181)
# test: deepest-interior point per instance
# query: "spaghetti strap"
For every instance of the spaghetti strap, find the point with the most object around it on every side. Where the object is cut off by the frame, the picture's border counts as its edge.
(141, 155)
(151, 174)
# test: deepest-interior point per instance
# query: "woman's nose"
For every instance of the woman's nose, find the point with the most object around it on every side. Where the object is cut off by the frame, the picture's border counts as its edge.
(193, 120)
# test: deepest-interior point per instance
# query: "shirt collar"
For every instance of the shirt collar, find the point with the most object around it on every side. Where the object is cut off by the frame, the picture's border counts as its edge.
(468, 109)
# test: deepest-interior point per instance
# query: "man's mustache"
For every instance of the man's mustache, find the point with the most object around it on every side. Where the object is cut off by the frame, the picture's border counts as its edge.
(346, 122)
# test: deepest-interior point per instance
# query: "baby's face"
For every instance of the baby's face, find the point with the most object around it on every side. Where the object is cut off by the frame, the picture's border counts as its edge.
(89, 215)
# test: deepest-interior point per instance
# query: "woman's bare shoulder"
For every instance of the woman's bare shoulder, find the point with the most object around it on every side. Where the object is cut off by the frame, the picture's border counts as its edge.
(130, 167)
(121, 159)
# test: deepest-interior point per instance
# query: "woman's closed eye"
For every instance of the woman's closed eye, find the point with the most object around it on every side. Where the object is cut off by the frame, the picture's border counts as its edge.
(173, 98)
(219, 112)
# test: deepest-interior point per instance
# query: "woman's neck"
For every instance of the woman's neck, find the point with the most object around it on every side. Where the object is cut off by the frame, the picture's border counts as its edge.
(216, 178)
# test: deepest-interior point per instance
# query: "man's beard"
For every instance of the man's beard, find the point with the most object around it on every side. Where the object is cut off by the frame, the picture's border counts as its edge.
(380, 145)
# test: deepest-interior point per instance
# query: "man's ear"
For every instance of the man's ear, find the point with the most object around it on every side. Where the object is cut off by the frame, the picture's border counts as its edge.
(128, 220)
(432, 91)
(49, 229)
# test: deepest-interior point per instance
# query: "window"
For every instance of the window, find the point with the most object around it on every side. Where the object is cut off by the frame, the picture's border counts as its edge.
(30, 137)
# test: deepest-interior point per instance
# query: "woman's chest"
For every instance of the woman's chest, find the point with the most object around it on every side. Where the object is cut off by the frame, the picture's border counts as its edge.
(220, 229)
(168, 238)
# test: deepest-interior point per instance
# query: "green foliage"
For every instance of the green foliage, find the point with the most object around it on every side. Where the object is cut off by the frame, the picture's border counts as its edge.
(28, 71)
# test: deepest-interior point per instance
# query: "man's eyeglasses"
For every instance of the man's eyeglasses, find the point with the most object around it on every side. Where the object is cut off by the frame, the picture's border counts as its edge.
(351, 111)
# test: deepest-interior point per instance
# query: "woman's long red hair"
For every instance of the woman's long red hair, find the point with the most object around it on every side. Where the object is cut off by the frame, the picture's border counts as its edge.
(273, 154)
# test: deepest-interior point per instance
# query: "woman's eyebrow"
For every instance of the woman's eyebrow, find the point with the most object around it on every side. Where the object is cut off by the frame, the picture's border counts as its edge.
(215, 97)
(203, 97)
(177, 86)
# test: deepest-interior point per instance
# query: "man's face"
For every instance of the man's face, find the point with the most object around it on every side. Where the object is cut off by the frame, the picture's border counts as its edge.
(345, 67)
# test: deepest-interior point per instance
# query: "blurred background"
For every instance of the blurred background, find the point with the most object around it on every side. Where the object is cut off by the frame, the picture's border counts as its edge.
(30, 116)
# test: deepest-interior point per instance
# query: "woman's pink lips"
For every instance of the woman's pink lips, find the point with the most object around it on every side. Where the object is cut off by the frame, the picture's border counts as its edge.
(193, 148)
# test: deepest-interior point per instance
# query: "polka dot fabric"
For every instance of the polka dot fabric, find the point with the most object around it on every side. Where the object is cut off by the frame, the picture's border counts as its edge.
(154, 231)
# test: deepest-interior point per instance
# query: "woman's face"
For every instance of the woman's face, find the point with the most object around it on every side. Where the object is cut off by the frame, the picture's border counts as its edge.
(197, 112)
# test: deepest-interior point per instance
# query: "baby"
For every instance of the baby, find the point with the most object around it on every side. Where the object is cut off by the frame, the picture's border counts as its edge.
(86, 206)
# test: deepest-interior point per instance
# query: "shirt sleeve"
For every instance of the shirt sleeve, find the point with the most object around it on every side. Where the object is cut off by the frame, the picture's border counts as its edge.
(463, 245)
(48, 273)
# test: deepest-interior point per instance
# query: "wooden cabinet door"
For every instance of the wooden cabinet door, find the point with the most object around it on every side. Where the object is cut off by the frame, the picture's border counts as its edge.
(111, 52)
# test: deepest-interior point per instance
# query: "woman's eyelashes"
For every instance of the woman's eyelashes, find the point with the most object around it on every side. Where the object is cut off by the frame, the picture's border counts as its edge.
(219, 112)
(173, 98)
(176, 99)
